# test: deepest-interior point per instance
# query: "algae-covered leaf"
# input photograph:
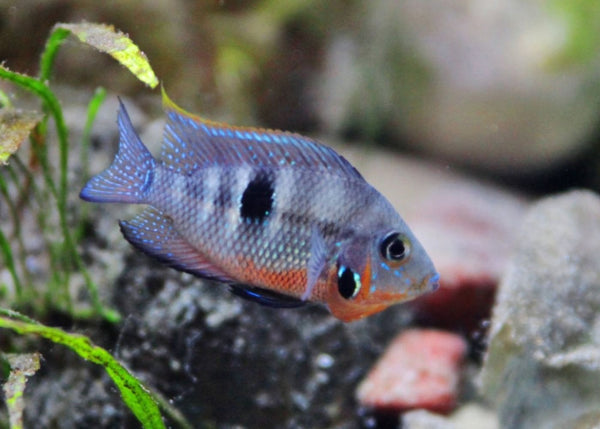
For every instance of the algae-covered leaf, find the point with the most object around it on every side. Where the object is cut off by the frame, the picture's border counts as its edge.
(22, 366)
(15, 126)
(133, 392)
(118, 45)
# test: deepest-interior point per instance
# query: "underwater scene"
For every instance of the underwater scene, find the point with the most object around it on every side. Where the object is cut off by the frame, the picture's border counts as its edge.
(300, 214)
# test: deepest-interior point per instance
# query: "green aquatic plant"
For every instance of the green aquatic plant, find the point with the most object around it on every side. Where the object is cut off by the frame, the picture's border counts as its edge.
(64, 257)
(134, 394)
(20, 188)
(19, 367)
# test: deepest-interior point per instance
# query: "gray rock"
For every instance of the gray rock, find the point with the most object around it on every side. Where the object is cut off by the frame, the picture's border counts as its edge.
(474, 416)
(543, 362)
(421, 419)
(587, 421)
(478, 83)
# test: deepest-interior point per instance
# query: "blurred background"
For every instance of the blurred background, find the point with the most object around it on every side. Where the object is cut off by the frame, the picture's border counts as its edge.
(509, 89)
(410, 91)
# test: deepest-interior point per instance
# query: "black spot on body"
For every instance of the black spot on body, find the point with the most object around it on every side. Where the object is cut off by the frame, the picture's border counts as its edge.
(257, 199)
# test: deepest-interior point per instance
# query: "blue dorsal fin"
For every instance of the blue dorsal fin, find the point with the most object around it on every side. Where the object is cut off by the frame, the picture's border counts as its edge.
(265, 297)
(191, 142)
(153, 234)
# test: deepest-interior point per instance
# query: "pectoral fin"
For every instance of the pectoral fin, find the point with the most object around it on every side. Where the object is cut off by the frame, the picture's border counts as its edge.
(316, 263)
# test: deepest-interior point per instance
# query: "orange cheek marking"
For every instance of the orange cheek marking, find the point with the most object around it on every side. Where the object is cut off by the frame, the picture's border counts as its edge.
(365, 280)
(349, 311)
(375, 297)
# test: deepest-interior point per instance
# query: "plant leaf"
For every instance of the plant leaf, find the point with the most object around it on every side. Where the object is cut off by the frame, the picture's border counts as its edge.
(134, 394)
(57, 37)
(22, 366)
(118, 45)
(15, 126)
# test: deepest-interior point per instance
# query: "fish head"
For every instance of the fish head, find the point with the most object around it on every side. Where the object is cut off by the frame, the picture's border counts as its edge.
(377, 270)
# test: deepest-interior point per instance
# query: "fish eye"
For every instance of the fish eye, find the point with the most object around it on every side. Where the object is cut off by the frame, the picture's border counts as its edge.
(348, 282)
(395, 247)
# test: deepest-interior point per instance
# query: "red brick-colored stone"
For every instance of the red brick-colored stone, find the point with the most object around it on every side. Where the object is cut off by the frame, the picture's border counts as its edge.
(420, 369)
(468, 231)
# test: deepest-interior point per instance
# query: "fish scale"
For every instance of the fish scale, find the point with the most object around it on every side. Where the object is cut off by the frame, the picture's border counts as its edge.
(280, 216)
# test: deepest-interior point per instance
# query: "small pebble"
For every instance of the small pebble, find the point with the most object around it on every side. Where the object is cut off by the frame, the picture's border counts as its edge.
(420, 369)
(325, 361)
(422, 419)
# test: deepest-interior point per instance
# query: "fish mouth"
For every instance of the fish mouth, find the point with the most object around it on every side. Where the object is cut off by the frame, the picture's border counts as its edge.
(430, 283)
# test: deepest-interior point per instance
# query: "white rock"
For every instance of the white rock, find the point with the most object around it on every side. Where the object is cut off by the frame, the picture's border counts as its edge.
(542, 366)
(478, 83)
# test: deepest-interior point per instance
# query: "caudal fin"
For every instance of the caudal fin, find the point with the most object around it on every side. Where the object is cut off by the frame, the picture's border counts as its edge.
(129, 176)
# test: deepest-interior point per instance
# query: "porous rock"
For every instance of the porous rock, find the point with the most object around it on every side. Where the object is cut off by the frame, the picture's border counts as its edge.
(542, 368)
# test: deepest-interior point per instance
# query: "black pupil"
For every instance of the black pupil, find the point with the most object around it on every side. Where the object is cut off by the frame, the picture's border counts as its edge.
(393, 247)
(346, 284)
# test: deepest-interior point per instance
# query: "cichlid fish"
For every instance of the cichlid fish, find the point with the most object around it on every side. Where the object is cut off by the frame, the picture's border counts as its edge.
(279, 217)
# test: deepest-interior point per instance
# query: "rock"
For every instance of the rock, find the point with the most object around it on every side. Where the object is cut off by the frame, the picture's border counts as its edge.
(589, 420)
(422, 419)
(420, 369)
(229, 362)
(497, 86)
(467, 417)
(474, 416)
(543, 364)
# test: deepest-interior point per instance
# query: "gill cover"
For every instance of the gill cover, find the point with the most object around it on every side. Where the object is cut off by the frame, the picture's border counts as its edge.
(350, 278)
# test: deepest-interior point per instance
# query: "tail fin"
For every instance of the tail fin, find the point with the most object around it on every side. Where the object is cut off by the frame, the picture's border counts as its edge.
(130, 174)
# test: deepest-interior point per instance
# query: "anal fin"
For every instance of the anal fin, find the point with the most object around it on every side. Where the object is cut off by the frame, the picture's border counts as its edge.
(154, 234)
(266, 297)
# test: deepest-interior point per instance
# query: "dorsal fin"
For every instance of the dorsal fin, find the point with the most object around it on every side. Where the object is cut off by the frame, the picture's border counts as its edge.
(192, 142)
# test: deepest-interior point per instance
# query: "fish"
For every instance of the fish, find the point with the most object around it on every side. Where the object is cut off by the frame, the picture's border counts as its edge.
(281, 218)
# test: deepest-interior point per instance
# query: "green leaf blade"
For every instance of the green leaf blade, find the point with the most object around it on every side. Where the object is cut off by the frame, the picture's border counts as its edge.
(56, 39)
(134, 394)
